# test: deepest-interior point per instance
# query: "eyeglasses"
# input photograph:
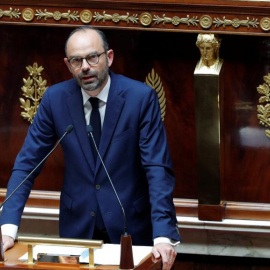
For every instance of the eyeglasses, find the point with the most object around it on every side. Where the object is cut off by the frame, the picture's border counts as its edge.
(91, 59)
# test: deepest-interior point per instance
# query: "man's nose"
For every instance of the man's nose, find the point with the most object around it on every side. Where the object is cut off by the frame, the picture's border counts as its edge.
(85, 64)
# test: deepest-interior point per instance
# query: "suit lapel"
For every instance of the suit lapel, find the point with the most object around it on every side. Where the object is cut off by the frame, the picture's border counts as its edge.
(75, 104)
(114, 107)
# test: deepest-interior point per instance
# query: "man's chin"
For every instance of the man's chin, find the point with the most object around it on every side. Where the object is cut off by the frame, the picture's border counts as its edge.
(92, 91)
(89, 87)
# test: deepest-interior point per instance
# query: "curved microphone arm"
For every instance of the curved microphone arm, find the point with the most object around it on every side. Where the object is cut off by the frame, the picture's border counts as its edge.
(68, 130)
(89, 130)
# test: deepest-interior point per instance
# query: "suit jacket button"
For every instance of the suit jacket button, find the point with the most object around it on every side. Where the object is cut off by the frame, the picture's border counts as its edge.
(93, 213)
(97, 187)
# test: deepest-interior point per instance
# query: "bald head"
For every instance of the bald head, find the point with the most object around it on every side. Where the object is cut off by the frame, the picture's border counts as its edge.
(84, 29)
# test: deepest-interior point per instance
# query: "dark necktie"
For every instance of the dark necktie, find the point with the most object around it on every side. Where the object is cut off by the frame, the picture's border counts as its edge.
(95, 122)
(96, 125)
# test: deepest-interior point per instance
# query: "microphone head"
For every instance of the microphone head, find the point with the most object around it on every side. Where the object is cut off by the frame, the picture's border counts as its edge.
(89, 128)
(69, 129)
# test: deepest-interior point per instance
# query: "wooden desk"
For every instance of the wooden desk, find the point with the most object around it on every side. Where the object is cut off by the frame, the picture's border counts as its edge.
(16, 252)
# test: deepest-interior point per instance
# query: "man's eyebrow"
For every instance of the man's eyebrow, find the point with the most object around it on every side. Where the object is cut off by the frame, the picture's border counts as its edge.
(77, 56)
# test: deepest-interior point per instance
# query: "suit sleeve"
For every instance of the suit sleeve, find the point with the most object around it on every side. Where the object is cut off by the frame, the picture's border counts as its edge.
(157, 164)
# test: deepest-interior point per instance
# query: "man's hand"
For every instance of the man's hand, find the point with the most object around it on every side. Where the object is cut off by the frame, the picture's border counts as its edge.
(8, 242)
(167, 254)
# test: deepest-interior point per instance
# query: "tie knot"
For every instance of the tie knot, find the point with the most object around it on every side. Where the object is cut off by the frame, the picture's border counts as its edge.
(94, 102)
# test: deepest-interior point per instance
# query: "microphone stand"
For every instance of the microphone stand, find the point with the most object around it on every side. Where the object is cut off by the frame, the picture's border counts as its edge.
(126, 255)
(68, 130)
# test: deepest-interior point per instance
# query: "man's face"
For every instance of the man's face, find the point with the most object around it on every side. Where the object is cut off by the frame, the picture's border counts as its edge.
(92, 78)
(207, 51)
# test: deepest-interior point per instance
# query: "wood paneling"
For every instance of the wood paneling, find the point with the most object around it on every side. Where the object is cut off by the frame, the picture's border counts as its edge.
(22, 47)
(170, 50)
(173, 57)
(136, 54)
(246, 148)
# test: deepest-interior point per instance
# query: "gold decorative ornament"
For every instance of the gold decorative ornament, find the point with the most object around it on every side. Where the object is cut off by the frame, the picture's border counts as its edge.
(57, 15)
(33, 90)
(176, 20)
(10, 13)
(264, 110)
(146, 19)
(116, 17)
(206, 21)
(236, 23)
(265, 24)
(153, 80)
(28, 14)
(86, 16)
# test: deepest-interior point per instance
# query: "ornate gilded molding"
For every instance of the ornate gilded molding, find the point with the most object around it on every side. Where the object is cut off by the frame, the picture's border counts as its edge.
(28, 14)
(57, 15)
(10, 13)
(265, 24)
(146, 19)
(153, 80)
(116, 17)
(33, 89)
(264, 110)
(205, 21)
(86, 16)
(176, 20)
(236, 23)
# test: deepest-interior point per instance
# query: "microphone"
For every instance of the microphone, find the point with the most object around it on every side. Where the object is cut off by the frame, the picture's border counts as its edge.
(68, 130)
(126, 261)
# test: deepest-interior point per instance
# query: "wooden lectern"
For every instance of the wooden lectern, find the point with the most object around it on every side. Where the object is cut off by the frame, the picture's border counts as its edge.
(12, 262)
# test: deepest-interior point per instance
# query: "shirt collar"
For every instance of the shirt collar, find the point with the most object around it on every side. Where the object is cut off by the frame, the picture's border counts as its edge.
(103, 95)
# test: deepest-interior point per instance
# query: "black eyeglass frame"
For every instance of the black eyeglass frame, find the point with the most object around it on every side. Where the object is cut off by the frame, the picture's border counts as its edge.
(82, 58)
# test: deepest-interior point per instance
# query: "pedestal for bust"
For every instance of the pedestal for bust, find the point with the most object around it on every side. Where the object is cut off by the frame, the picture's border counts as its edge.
(208, 88)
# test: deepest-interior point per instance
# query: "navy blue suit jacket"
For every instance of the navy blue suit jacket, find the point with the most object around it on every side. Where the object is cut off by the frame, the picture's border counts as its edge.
(134, 149)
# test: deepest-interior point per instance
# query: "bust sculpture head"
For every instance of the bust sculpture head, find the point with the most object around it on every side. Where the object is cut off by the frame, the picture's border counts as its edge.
(208, 45)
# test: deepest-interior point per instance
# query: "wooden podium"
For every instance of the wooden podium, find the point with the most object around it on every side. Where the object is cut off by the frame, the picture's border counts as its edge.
(12, 262)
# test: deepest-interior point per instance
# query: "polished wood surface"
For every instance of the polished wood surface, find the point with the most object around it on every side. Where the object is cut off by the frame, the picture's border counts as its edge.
(16, 252)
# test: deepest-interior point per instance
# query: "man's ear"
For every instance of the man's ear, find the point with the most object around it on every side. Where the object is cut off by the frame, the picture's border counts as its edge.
(110, 55)
(67, 64)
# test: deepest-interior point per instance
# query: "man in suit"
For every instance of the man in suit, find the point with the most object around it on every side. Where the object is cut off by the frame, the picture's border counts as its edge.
(132, 145)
